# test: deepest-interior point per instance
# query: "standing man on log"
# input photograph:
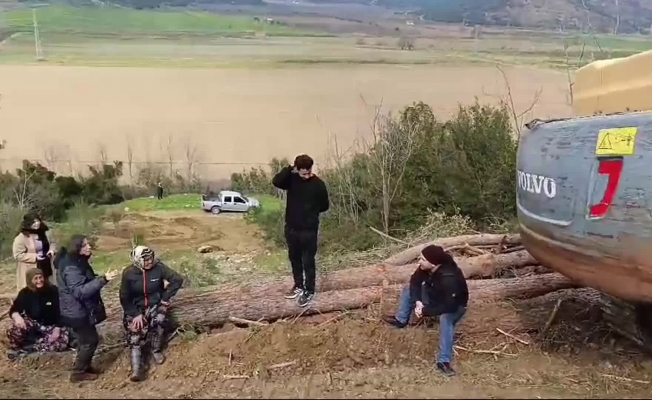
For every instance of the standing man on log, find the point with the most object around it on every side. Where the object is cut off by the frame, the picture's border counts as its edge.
(437, 288)
(307, 197)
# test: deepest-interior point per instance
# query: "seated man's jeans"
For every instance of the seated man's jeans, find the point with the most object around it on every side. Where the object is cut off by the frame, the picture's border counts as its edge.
(447, 322)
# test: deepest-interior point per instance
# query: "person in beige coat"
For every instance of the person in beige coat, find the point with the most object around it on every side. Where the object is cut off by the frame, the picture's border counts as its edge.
(33, 248)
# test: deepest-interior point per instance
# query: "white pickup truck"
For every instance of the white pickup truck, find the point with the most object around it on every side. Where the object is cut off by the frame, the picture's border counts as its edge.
(227, 201)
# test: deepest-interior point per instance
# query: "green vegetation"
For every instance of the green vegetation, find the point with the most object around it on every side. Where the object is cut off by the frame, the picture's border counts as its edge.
(596, 15)
(176, 37)
(171, 202)
(109, 20)
(35, 188)
(418, 178)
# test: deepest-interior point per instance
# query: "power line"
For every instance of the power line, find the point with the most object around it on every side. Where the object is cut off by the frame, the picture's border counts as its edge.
(34, 160)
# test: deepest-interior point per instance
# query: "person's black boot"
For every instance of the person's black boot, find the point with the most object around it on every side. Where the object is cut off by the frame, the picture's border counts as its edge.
(391, 320)
(445, 368)
(136, 365)
(157, 346)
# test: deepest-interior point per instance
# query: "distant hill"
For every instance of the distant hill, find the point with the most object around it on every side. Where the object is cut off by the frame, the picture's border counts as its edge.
(597, 15)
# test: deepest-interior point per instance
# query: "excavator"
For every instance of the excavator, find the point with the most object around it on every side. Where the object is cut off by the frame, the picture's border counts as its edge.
(584, 184)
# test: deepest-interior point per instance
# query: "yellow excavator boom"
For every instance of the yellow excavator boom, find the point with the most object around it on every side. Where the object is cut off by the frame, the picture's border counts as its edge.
(614, 86)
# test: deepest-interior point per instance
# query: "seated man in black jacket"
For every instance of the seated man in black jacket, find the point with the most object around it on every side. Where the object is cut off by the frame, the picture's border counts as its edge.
(145, 297)
(437, 288)
(35, 316)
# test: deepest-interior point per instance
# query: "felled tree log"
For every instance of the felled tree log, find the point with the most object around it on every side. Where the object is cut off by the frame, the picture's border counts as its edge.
(488, 265)
(630, 320)
(257, 303)
(483, 266)
(411, 254)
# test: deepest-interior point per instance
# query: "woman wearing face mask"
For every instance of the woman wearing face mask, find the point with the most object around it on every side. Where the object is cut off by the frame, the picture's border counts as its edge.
(146, 289)
(33, 248)
(80, 302)
(35, 317)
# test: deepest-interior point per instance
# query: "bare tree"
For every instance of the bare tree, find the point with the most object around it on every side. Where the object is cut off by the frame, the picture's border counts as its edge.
(102, 153)
(169, 151)
(22, 194)
(190, 151)
(130, 158)
(67, 155)
(617, 2)
(3, 142)
(51, 156)
(388, 152)
(588, 16)
(342, 186)
(518, 117)
(406, 43)
(570, 66)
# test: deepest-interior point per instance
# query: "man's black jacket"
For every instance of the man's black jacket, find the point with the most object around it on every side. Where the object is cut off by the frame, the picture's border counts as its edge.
(140, 288)
(306, 199)
(445, 289)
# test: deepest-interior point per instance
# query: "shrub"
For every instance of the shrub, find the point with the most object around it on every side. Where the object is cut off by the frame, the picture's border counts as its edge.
(272, 223)
(35, 188)
(419, 177)
(258, 180)
(82, 218)
(11, 217)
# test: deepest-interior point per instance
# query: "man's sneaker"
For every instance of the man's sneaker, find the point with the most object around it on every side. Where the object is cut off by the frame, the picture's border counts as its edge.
(391, 320)
(445, 368)
(294, 293)
(305, 298)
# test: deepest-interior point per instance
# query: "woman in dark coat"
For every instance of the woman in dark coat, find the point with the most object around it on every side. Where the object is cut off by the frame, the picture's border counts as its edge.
(80, 302)
(146, 290)
(35, 316)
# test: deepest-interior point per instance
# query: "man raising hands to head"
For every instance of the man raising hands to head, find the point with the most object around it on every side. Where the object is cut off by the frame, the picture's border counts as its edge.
(307, 197)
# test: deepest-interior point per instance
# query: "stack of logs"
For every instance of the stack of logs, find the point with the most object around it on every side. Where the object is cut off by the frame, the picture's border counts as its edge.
(481, 257)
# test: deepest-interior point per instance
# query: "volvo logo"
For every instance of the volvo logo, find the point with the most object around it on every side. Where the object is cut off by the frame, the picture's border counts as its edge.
(537, 183)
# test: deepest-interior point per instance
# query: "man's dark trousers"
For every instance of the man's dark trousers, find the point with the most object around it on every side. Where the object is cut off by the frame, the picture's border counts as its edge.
(302, 248)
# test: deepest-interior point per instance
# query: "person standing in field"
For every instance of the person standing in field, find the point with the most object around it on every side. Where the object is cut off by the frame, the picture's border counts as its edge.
(307, 197)
(159, 190)
(146, 289)
(80, 302)
(33, 248)
(437, 288)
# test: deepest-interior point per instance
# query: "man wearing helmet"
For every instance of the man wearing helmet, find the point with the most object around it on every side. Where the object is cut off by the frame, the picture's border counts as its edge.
(145, 297)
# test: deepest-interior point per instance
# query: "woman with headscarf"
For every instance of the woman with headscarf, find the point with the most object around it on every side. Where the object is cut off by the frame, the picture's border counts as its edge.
(33, 248)
(35, 317)
(80, 302)
(146, 289)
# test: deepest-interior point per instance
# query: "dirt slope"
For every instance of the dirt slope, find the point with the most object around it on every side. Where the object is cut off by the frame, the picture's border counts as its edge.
(357, 356)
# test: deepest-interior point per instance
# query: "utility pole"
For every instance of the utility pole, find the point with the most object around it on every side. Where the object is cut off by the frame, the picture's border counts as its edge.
(37, 38)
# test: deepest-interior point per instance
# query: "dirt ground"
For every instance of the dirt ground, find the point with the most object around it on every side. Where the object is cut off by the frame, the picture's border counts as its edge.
(235, 118)
(183, 230)
(356, 356)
